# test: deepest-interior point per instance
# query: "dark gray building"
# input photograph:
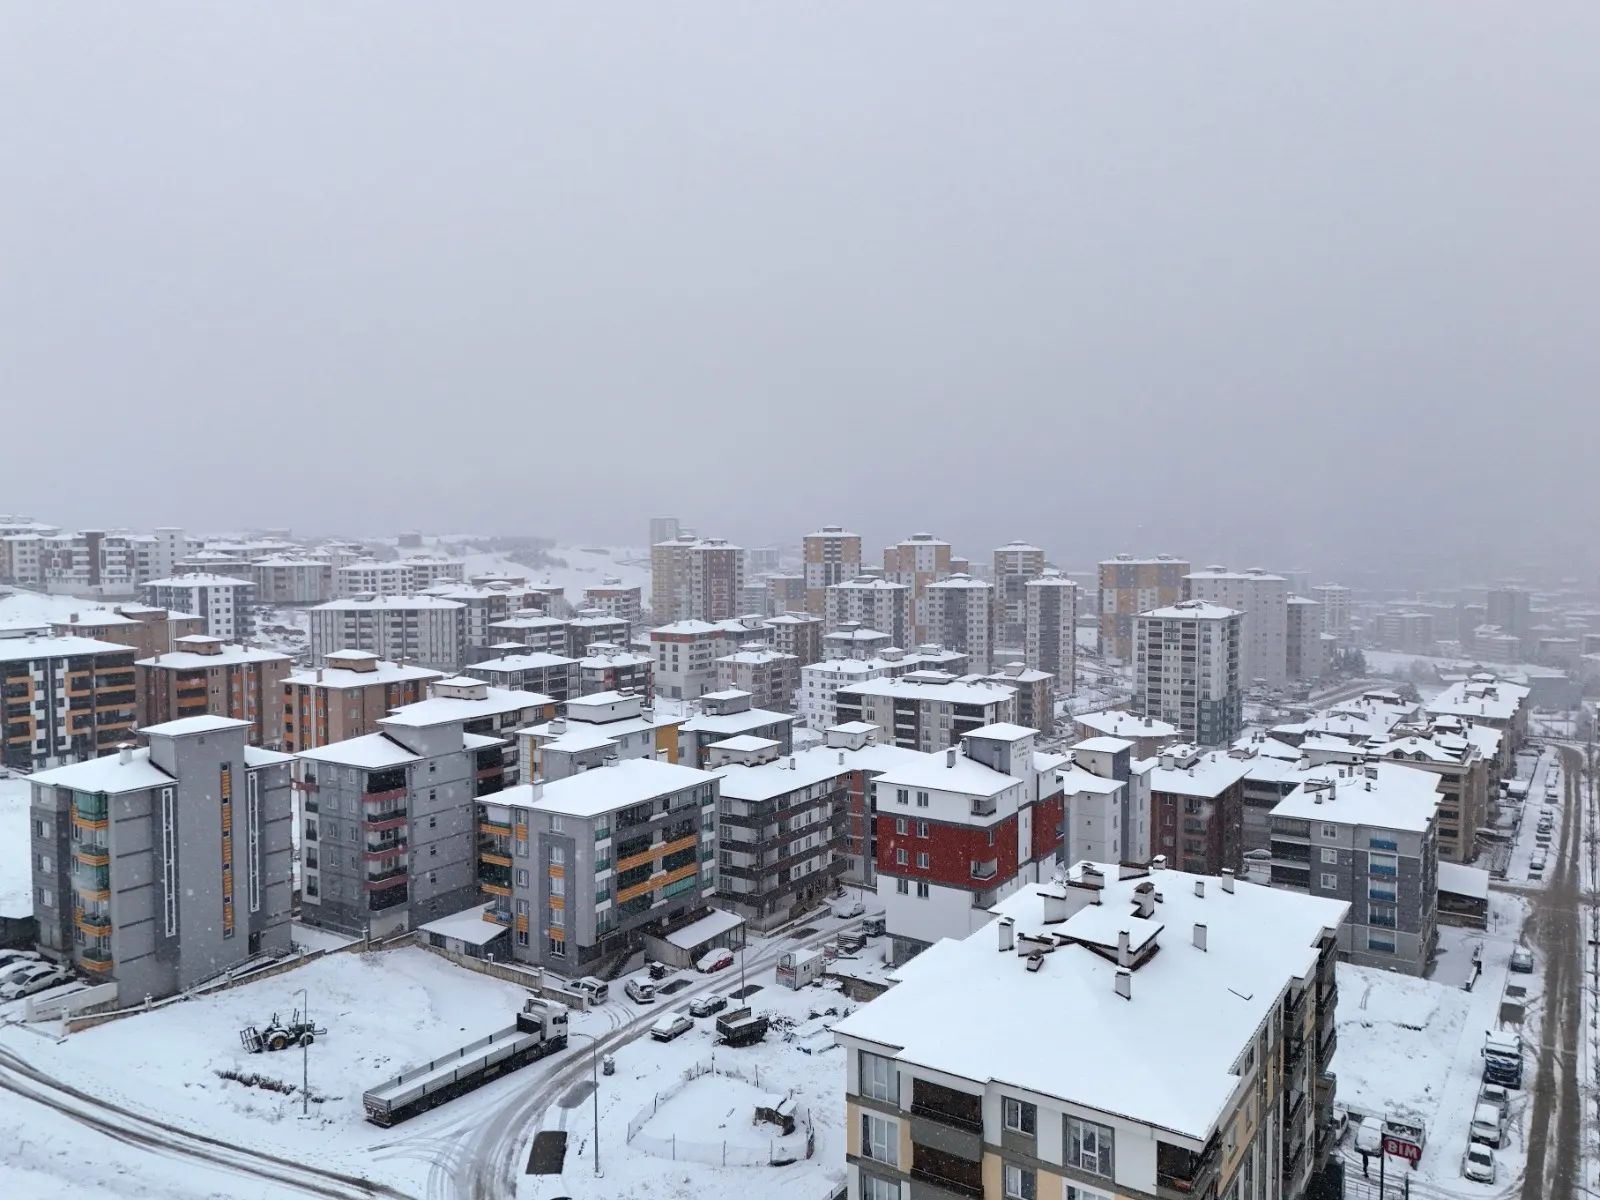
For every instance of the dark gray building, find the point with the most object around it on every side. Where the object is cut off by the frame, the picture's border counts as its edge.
(1367, 835)
(158, 868)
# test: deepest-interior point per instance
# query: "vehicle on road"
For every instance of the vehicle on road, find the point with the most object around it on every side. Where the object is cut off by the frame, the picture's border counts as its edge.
(705, 1006)
(1478, 1164)
(1341, 1124)
(640, 991)
(598, 991)
(37, 978)
(670, 1026)
(1537, 862)
(1488, 1125)
(1369, 1135)
(847, 908)
(1502, 1058)
(1493, 1093)
(1522, 960)
(540, 1030)
(715, 960)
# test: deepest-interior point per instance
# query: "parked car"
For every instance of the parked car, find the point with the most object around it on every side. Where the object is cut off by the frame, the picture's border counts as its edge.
(670, 1026)
(597, 990)
(715, 960)
(848, 907)
(705, 1006)
(11, 959)
(640, 992)
(34, 979)
(1369, 1135)
(1522, 960)
(1341, 1124)
(1488, 1124)
(1537, 862)
(873, 927)
(1478, 1164)
(1493, 1093)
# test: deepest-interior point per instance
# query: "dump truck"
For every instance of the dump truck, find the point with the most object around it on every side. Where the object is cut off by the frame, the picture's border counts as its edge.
(540, 1030)
(741, 1027)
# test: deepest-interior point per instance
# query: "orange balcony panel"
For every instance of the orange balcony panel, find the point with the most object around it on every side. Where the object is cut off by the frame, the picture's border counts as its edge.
(494, 889)
(558, 872)
(95, 964)
(496, 830)
(522, 923)
(499, 860)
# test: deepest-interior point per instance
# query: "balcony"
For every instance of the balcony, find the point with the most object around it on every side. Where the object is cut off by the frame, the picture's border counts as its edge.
(984, 806)
(1327, 998)
(494, 828)
(985, 870)
(1382, 871)
(497, 916)
(929, 1184)
(95, 960)
(1294, 1050)
(378, 880)
(94, 924)
(91, 854)
(90, 808)
(376, 822)
(387, 798)
(1327, 1044)
(1182, 1173)
(386, 849)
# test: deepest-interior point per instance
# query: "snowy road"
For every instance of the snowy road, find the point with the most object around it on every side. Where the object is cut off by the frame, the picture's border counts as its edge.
(1557, 923)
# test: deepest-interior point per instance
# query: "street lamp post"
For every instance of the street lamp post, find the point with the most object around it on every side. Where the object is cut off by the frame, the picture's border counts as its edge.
(594, 1075)
(305, 1056)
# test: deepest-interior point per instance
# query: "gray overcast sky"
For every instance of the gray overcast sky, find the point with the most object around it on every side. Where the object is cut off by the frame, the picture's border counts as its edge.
(1260, 280)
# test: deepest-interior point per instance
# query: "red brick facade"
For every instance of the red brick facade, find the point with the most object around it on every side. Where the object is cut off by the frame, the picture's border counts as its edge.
(951, 849)
(1199, 834)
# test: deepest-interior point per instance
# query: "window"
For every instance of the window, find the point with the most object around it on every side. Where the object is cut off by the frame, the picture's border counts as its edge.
(558, 856)
(1330, 883)
(900, 858)
(558, 918)
(901, 796)
(556, 824)
(922, 829)
(1380, 943)
(879, 1081)
(1019, 1183)
(1077, 1191)
(880, 1139)
(1088, 1147)
(874, 1188)
(1383, 864)
(922, 861)
(558, 946)
(1330, 856)
(922, 799)
(1020, 1116)
(558, 885)
(900, 826)
(922, 891)
(902, 886)
(1330, 831)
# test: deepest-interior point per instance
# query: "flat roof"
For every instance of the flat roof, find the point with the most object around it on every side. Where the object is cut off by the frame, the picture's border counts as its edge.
(1002, 731)
(439, 710)
(345, 677)
(107, 773)
(1116, 723)
(1462, 880)
(950, 693)
(467, 926)
(187, 726)
(693, 936)
(1103, 744)
(396, 602)
(372, 751)
(228, 655)
(966, 775)
(1164, 1057)
(17, 649)
(1192, 610)
(606, 789)
(532, 661)
(199, 579)
(734, 723)
(1210, 776)
(1401, 797)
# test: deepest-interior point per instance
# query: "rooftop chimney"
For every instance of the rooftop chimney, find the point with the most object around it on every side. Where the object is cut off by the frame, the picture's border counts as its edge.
(1227, 879)
(1200, 888)
(1200, 935)
(1055, 908)
(124, 753)
(1125, 985)
(1007, 933)
(1124, 949)
(950, 757)
(1158, 863)
(1144, 896)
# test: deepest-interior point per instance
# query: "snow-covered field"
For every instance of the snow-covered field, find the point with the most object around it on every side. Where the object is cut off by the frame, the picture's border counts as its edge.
(16, 870)
(35, 608)
(579, 567)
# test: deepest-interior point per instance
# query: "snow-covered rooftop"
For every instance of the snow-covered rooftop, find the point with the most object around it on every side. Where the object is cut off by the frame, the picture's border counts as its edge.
(343, 677)
(465, 926)
(399, 603)
(1399, 798)
(703, 930)
(618, 785)
(107, 773)
(199, 579)
(938, 773)
(1463, 880)
(371, 751)
(534, 661)
(437, 710)
(16, 649)
(1103, 744)
(1117, 723)
(229, 655)
(1192, 610)
(1002, 731)
(1209, 776)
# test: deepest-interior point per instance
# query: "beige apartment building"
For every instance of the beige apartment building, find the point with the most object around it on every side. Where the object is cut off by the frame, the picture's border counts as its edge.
(1130, 586)
(205, 676)
(149, 631)
(347, 697)
(916, 562)
(831, 556)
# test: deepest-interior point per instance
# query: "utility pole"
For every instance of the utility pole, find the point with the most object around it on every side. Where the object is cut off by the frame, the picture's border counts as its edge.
(594, 1076)
(305, 1056)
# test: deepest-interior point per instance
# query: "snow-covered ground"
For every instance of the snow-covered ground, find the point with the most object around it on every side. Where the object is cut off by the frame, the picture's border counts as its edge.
(16, 869)
(573, 568)
(36, 608)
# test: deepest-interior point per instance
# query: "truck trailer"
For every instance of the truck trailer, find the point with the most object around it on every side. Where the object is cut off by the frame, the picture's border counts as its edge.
(540, 1030)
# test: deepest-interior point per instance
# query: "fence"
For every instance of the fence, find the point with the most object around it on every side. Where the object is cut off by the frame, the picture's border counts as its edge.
(778, 1151)
(532, 978)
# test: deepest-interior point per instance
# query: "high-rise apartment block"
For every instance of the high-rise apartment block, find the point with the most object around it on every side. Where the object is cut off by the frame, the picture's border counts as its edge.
(1130, 586)
(925, 710)
(553, 677)
(916, 562)
(148, 631)
(1335, 601)
(1263, 600)
(799, 634)
(959, 613)
(615, 601)
(1306, 654)
(219, 600)
(872, 604)
(1509, 609)
(771, 677)
(204, 675)
(1197, 809)
(1186, 670)
(1015, 564)
(162, 867)
(694, 578)
(785, 594)
(412, 629)
(1035, 694)
(347, 697)
(65, 699)
(284, 579)
(664, 529)
(831, 556)
(1050, 628)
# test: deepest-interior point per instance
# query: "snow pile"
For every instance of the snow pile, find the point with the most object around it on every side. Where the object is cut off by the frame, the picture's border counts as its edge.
(1386, 1019)
(710, 1118)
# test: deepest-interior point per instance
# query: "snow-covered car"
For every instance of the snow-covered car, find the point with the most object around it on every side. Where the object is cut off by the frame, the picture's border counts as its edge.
(1369, 1135)
(598, 991)
(1522, 960)
(715, 960)
(34, 979)
(704, 1006)
(848, 908)
(1488, 1124)
(640, 992)
(1537, 862)
(1478, 1164)
(1341, 1124)
(14, 971)
(10, 960)
(1493, 1093)
(670, 1026)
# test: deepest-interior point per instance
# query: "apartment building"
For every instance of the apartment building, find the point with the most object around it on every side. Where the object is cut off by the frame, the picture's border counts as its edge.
(413, 629)
(1130, 586)
(204, 675)
(862, 757)
(1186, 670)
(581, 868)
(147, 630)
(1015, 564)
(595, 730)
(534, 631)
(1368, 837)
(1197, 809)
(1509, 608)
(959, 830)
(868, 603)
(671, 569)
(916, 562)
(1147, 734)
(548, 675)
(1336, 604)
(770, 676)
(161, 867)
(485, 607)
(959, 613)
(693, 578)
(799, 634)
(283, 579)
(1486, 700)
(1263, 601)
(63, 699)
(220, 600)
(19, 558)
(783, 826)
(1462, 759)
(612, 599)
(392, 577)
(1223, 985)
(815, 702)
(664, 529)
(347, 697)
(925, 710)
(591, 627)
(832, 556)
(854, 641)
(1305, 654)
(610, 668)
(730, 714)
(1106, 800)
(1036, 697)
(785, 594)
(686, 654)
(388, 821)
(91, 562)
(1050, 627)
